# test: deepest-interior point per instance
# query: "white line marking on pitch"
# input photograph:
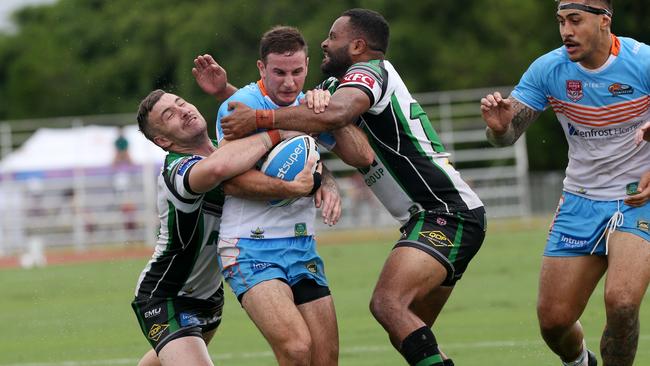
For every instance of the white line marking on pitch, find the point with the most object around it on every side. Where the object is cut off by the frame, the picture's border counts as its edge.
(269, 354)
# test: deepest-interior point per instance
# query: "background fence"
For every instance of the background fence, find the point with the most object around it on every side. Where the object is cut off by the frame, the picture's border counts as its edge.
(116, 204)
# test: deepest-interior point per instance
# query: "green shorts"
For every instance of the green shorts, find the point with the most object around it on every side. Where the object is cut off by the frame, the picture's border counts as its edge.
(451, 238)
(165, 319)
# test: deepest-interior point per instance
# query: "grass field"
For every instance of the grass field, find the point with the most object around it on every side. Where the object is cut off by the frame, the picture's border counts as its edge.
(74, 315)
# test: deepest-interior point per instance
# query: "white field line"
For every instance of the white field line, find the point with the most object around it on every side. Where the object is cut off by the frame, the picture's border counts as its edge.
(269, 354)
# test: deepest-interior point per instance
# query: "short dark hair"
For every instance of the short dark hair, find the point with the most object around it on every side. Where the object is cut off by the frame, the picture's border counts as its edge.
(371, 26)
(282, 39)
(145, 107)
(606, 3)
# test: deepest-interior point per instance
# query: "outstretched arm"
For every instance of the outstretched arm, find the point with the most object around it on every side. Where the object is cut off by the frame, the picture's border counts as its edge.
(345, 106)
(257, 186)
(230, 160)
(506, 119)
(212, 78)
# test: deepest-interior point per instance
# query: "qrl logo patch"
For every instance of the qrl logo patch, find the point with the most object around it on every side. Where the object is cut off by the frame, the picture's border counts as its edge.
(574, 90)
(359, 77)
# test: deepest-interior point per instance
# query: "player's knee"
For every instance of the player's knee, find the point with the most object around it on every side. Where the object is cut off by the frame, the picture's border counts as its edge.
(554, 318)
(620, 301)
(622, 311)
(298, 350)
(384, 307)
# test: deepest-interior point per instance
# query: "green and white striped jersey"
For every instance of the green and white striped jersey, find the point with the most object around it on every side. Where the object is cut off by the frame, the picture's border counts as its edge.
(184, 262)
(411, 171)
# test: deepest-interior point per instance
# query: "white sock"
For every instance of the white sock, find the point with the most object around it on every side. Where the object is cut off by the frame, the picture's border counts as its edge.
(581, 360)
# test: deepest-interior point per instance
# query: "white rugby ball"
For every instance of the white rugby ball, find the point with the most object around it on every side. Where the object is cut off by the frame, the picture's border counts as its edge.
(288, 159)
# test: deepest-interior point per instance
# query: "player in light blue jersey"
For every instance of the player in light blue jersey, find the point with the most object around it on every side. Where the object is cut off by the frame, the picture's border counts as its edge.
(599, 88)
(267, 253)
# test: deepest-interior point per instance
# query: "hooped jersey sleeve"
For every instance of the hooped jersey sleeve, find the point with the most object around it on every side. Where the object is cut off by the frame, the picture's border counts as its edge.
(176, 176)
(370, 78)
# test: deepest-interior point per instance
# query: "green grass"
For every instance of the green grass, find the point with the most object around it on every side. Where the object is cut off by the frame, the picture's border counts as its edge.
(80, 313)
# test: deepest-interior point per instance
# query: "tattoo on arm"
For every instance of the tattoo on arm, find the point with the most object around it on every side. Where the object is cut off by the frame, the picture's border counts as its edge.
(522, 119)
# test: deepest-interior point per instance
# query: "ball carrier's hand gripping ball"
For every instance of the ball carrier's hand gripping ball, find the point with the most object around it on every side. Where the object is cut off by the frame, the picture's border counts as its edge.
(288, 159)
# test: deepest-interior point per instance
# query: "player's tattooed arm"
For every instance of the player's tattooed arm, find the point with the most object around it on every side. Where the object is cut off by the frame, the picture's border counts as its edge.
(523, 117)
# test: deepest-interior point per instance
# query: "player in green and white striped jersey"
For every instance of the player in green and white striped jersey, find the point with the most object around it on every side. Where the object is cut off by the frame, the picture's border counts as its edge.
(179, 295)
(443, 219)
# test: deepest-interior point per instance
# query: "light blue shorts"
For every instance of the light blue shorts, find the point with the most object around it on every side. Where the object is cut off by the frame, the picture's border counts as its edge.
(579, 225)
(247, 262)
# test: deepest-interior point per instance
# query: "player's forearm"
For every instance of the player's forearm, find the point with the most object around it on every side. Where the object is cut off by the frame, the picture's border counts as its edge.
(506, 138)
(523, 117)
(301, 118)
(352, 146)
(257, 186)
(230, 160)
(226, 93)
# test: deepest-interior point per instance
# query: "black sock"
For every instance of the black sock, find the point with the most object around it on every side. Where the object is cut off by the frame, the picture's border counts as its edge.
(420, 348)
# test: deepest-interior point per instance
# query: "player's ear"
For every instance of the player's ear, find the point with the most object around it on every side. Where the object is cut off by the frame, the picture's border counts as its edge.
(605, 22)
(358, 46)
(261, 67)
(162, 141)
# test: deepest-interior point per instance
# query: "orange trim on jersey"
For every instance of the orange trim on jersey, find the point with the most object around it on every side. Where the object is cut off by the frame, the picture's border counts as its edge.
(260, 84)
(609, 111)
(602, 116)
(616, 46)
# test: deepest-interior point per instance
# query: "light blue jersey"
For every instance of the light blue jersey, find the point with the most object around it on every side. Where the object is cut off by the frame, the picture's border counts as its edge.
(259, 242)
(599, 110)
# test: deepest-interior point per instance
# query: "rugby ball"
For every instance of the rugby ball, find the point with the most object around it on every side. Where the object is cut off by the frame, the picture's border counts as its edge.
(288, 159)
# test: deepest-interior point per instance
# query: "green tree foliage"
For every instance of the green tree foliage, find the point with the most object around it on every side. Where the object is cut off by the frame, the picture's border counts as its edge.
(78, 57)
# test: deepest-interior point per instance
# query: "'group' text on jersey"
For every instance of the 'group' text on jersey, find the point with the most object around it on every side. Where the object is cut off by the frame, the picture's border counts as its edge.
(600, 110)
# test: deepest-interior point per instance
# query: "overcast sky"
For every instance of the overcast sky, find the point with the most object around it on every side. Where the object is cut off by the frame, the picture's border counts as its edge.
(8, 6)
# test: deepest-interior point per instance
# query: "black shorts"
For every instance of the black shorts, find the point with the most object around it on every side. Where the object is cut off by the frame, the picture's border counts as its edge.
(165, 319)
(451, 238)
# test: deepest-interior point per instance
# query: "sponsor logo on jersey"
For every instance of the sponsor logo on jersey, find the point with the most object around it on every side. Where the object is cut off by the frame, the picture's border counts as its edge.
(260, 266)
(152, 312)
(571, 242)
(312, 267)
(156, 331)
(574, 90)
(189, 319)
(300, 229)
(437, 238)
(187, 164)
(620, 89)
(258, 233)
(441, 221)
(359, 77)
(594, 133)
(643, 225)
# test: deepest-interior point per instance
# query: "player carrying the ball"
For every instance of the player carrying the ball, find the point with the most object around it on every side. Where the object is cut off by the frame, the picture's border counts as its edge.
(268, 254)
